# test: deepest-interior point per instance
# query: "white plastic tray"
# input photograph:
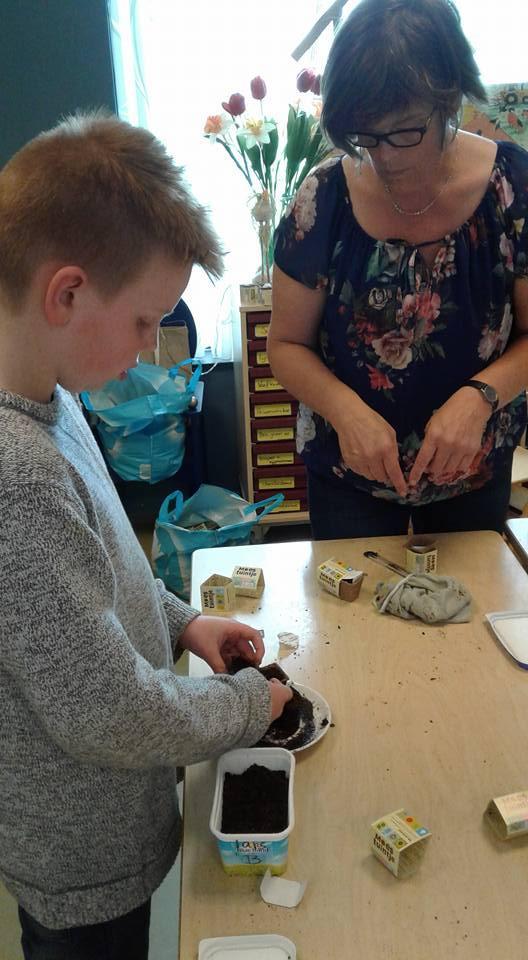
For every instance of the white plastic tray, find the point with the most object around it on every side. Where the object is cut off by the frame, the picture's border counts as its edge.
(264, 947)
(511, 628)
(321, 712)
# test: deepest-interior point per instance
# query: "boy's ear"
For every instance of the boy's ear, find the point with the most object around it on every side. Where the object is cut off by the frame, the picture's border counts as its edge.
(63, 294)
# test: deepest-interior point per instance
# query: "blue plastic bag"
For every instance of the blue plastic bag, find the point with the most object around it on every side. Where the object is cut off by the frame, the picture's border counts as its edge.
(174, 543)
(140, 420)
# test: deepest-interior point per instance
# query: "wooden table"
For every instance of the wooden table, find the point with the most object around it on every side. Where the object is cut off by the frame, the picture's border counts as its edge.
(430, 718)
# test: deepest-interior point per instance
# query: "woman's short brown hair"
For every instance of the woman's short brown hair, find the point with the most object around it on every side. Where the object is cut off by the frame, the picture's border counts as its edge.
(391, 53)
(102, 194)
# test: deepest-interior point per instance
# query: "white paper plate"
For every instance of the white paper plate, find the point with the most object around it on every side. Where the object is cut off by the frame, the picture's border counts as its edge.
(321, 714)
(511, 628)
(264, 947)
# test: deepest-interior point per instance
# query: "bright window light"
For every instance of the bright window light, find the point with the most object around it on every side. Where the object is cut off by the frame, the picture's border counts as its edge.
(176, 60)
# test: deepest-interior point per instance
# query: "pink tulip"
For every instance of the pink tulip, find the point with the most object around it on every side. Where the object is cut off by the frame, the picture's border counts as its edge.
(316, 85)
(305, 79)
(235, 105)
(258, 88)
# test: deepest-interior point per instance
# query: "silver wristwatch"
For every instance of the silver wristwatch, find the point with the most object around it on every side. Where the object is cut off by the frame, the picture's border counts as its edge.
(488, 392)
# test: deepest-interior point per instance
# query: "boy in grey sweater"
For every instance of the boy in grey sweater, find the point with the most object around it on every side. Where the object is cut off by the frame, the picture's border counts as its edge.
(98, 235)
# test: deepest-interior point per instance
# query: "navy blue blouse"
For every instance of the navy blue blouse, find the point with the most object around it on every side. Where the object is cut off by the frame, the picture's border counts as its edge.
(403, 336)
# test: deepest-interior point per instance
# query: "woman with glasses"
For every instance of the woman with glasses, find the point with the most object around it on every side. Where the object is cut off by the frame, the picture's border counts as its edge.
(400, 287)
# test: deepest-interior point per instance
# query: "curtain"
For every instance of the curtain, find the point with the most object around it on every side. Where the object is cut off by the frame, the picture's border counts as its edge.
(175, 62)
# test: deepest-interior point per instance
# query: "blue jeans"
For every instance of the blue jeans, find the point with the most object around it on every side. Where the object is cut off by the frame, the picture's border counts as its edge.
(339, 511)
(125, 938)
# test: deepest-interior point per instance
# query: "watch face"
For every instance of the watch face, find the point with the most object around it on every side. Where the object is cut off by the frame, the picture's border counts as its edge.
(491, 395)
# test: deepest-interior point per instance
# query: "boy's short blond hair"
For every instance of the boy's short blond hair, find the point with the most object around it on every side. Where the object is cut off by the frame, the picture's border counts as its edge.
(101, 194)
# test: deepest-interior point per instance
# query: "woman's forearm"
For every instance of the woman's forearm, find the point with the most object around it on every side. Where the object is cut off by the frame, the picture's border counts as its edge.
(303, 374)
(509, 374)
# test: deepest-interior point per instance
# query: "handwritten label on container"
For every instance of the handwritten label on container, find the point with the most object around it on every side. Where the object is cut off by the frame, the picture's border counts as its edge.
(276, 483)
(275, 433)
(273, 410)
(288, 506)
(267, 383)
(274, 459)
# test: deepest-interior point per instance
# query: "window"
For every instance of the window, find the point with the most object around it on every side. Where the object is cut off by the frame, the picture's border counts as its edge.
(175, 63)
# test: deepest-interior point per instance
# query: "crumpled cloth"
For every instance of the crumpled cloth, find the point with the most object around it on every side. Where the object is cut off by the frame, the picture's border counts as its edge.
(427, 596)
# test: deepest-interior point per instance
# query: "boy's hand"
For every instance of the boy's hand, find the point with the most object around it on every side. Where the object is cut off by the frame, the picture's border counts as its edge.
(218, 641)
(280, 694)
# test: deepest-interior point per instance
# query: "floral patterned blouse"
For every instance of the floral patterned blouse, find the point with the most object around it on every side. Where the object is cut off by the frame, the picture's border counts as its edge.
(403, 336)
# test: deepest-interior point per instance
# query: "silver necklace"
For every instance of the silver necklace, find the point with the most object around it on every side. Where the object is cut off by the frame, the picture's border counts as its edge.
(416, 213)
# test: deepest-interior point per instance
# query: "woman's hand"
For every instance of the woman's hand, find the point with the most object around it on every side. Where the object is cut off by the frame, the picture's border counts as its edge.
(369, 447)
(453, 437)
(280, 694)
(218, 641)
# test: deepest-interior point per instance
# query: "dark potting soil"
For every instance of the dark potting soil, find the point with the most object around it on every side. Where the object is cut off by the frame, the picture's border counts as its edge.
(294, 728)
(255, 801)
(296, 725)
(271, 671)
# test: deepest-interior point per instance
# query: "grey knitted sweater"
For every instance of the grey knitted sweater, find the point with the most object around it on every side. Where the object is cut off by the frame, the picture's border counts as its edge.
(92, 719)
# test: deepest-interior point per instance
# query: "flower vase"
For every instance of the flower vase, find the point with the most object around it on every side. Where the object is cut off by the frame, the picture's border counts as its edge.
(263, 213)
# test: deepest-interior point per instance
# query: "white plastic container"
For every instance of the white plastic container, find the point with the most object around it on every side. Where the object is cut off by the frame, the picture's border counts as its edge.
(252, 853)
(267, 946)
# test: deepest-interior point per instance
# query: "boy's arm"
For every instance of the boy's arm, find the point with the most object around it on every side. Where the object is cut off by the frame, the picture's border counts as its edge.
(64, 643)
(179, 615)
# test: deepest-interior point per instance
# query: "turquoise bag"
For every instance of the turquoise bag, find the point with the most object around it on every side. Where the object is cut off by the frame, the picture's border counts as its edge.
(140, 420)
(174, 543)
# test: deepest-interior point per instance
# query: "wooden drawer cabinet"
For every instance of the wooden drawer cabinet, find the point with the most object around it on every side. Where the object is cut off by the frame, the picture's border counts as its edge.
(266, 417)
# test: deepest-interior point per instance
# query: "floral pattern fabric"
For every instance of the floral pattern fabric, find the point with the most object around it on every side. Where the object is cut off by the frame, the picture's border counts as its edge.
(403, 336)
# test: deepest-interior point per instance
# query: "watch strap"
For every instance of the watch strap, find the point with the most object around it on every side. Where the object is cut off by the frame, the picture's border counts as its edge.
(488, 392)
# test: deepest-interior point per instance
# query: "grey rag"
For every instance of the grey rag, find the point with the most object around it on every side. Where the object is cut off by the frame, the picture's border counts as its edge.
(427, 596)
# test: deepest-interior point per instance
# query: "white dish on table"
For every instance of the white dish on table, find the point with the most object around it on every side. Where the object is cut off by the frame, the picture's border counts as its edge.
(268, 946)
(322, 718)
(511, 628)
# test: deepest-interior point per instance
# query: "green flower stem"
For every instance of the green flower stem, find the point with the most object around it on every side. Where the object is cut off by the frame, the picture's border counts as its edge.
(244, 158)
(234, 159)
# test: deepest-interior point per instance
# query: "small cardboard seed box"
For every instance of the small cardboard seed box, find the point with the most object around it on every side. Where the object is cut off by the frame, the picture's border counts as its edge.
(248, 581)
(421, 554)
(397, 841)
(217, 594)
(508, 815)
(337, 578)
(254, 293)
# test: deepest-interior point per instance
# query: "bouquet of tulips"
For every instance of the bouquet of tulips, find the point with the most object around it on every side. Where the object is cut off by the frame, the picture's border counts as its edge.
(252, 142)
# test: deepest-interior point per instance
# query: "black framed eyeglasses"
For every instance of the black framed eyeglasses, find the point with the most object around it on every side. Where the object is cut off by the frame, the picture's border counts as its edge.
(407, 137)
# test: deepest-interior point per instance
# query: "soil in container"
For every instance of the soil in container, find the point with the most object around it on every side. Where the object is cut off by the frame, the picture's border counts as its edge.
(255, 801)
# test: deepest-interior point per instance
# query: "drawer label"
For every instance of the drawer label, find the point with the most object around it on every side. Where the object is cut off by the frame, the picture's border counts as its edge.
(262, 358)
(261, 329)
(273, 409)
(276, 483)
(275, 433)
(267, 383)
(271, 459)
(288, 506)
